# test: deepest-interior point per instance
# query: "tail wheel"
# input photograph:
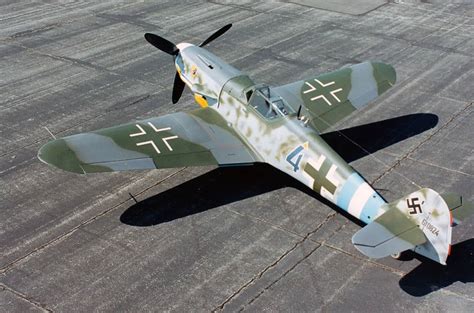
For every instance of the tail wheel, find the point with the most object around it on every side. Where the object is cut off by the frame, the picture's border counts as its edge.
(403, 256)
(397, 256)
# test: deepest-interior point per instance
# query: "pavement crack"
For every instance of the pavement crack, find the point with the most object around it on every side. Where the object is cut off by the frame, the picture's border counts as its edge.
(279, 278)
(275, 263)
(320, 244)
(432, 165)
(25, 298)
(65, 235)
(359, 257)
(83, 64)
(35, 31)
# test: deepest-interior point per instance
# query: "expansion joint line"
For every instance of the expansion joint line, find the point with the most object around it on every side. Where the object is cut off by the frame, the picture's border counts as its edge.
(272, 265)
(25, 298)
(409, 153)
(90, 220)
(306, 256)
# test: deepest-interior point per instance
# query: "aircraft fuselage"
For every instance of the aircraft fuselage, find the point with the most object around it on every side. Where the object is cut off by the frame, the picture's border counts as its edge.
(269, 124)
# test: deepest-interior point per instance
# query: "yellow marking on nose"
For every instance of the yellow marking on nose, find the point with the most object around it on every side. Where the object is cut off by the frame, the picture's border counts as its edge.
(183, 78)
(194, 70)
(200, 100)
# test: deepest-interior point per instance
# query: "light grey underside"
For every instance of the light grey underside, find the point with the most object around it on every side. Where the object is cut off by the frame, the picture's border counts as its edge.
(376, 241)
(363, 85)
(93, 148)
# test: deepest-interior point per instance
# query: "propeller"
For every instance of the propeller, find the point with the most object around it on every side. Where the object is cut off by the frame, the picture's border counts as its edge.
(171, 49)
(178, 87)
(162, 44)
(218, 33)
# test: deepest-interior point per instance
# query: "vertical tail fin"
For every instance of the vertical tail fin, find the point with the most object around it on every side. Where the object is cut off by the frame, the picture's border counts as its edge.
(435, 220)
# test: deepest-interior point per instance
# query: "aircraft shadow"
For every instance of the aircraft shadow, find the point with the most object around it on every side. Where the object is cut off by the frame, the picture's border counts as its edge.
(227, 185)
(215, 188)
(378, 135)
(430, 276)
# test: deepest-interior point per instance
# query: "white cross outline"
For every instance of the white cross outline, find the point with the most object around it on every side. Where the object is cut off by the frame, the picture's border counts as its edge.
(165, 140)
(142, 131)
(311, 88)
(151, 142)
(333, 92)
(158, 129)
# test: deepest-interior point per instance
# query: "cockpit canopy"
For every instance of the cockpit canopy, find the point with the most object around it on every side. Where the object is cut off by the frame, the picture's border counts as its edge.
(267, 102)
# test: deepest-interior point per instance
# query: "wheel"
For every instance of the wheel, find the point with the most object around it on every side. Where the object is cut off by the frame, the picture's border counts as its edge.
(397, 256)
(403, 256)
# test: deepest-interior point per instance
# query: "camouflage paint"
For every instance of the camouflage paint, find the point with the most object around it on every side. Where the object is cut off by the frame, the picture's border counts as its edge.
(228, 131)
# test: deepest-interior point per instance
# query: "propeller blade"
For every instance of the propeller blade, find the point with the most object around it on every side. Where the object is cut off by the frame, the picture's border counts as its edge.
(216, 34)
(178, 87)
(162, 44)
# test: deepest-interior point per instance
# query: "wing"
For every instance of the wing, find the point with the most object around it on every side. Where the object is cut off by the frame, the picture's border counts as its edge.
(330, 97)
(200, 137)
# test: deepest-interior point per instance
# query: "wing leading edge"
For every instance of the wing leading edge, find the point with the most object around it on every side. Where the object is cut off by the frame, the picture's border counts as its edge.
(199, 137)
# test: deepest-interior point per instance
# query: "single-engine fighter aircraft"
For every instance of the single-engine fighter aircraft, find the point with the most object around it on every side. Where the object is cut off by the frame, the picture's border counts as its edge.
(241, 123)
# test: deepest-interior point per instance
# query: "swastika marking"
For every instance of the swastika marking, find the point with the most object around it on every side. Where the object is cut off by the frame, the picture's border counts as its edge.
(414, 206)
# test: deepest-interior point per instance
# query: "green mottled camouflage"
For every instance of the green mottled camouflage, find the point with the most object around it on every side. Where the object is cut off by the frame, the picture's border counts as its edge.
(203, 139)
(242, 123)
(360, 84)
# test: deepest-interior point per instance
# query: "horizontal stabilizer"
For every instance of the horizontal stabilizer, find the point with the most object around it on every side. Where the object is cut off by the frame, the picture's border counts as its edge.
(390, 233)
(459, 207)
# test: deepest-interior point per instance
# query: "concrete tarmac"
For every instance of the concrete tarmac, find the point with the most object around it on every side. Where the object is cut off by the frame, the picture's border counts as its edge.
(210, 239)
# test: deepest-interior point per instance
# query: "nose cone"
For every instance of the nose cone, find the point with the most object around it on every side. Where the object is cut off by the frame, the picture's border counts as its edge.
(183, 45)
(385, 72)
(58, 154)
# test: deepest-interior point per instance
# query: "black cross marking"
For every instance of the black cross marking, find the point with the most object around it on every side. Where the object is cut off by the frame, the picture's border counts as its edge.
(414, 206)
(319, 177)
